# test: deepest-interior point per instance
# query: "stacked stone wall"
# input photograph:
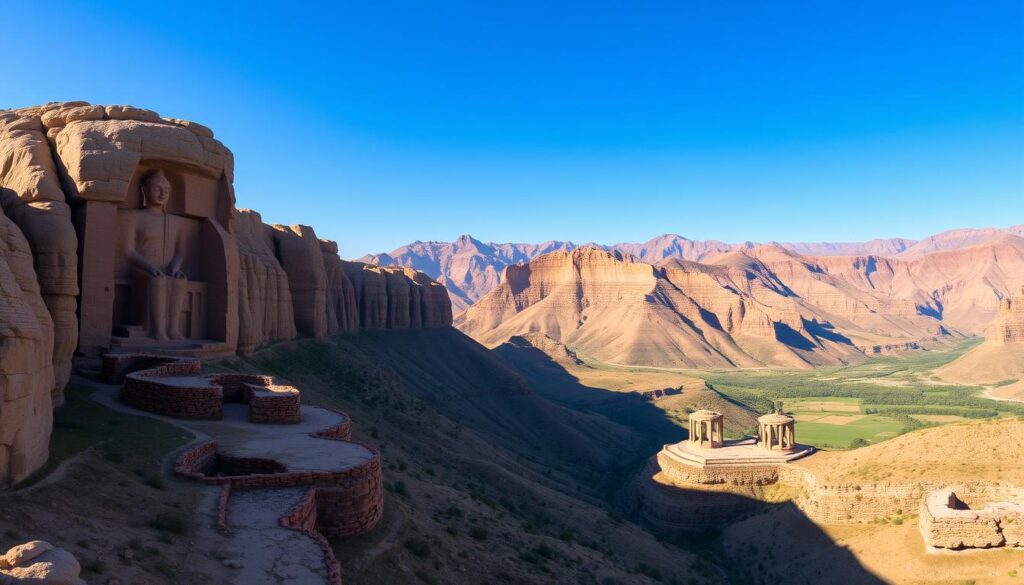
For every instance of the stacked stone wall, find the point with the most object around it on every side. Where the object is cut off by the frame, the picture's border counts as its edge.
(146, 392)
(303, 518)
(339, 432)
(947, 522)
(710, 475)
(280, 407)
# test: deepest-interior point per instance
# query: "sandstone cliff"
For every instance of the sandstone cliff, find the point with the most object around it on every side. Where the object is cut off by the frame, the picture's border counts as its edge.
(762, 307)
(71, 177)
(26, 369)
(265, 311)
(471, 268)
(1000, 358)
(468, 267)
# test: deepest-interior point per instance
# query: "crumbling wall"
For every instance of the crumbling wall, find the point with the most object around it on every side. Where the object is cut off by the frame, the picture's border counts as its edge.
(947, 522)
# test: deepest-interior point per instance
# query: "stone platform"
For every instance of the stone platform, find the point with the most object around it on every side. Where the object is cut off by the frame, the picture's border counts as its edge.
(737, 462)
(741, 452)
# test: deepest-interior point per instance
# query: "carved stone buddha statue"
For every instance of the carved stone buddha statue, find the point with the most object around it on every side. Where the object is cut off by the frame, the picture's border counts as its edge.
(154, 244)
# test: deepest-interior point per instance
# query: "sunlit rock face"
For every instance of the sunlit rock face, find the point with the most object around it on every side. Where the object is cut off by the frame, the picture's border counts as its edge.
(764, 306)
(119, 232)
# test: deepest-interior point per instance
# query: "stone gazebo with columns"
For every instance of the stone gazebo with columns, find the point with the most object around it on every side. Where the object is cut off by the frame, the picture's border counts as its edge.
(707, 457)
(775, 432)
(707, 428)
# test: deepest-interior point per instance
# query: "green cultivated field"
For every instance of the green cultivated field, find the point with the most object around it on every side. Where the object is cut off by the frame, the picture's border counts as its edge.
(869, 402)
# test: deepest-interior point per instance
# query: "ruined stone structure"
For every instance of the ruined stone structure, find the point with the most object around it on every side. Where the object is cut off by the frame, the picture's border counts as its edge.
(173, 386)
(776, 432)
(330, 486)
(947, 522)
(706, 458)
(707, 428)
(119, 232)
(699, 482)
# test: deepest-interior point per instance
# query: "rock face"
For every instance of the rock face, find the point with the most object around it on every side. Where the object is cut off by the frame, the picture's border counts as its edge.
(468, 267)
(265, 311)
(41, 563)
(31, 196)
(1001, 357)
(397, 297)
(765, 306)
(119, 231)
(26, 369)
(1009, 327)
(471, 268)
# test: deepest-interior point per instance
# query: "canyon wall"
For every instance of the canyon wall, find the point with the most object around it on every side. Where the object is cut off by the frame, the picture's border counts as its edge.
(765, 306)
(119, 232)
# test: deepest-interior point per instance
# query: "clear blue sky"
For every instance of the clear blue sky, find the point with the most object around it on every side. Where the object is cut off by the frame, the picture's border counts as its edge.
(380, 123)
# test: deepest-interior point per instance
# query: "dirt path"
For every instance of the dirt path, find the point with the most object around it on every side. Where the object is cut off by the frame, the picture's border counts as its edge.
(265, 552)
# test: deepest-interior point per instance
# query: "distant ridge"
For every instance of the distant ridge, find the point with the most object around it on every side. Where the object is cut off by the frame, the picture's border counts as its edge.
(470, 268)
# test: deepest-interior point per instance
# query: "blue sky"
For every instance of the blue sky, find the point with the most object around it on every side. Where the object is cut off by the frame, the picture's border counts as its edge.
(380, 123)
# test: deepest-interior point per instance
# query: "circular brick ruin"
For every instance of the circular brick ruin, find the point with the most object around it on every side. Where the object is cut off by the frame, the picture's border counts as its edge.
(173, 386)
(334, 484)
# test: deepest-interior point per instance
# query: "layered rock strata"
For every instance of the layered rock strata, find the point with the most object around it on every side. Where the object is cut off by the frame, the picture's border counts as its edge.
(26, 367)
(1000, 358)
(762, 307)
(119, 231)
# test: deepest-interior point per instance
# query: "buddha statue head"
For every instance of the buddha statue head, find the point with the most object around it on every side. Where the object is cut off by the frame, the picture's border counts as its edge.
(156, 190)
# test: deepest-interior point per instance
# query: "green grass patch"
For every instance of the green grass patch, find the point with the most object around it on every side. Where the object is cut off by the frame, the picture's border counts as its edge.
(890, 389)
(133, 442)
(872, 429)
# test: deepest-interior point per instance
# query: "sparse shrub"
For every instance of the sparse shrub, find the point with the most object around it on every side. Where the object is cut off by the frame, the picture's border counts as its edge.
(478, 532)
(156, 482)
(94, 566)
(418, 547)
(170, 522)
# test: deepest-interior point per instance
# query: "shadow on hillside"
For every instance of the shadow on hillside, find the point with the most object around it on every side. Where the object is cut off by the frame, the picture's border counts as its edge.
(552, 381)
(467, 383)
(750, 540)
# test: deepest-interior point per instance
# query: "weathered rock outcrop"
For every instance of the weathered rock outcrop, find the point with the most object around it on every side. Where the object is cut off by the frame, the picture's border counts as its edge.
(299, 251)
(1000, 358)
(31, 195)
(119, 231)
(342, 308)
(1009, 327)
(265, 311)
(39, 563)
(26, 370)
(397, 297)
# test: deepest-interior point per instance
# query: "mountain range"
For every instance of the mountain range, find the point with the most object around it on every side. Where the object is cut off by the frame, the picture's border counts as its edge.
(470, 268)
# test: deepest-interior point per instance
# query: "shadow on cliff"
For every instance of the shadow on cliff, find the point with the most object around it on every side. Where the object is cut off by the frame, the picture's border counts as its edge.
(549, 379)
(751, 541)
